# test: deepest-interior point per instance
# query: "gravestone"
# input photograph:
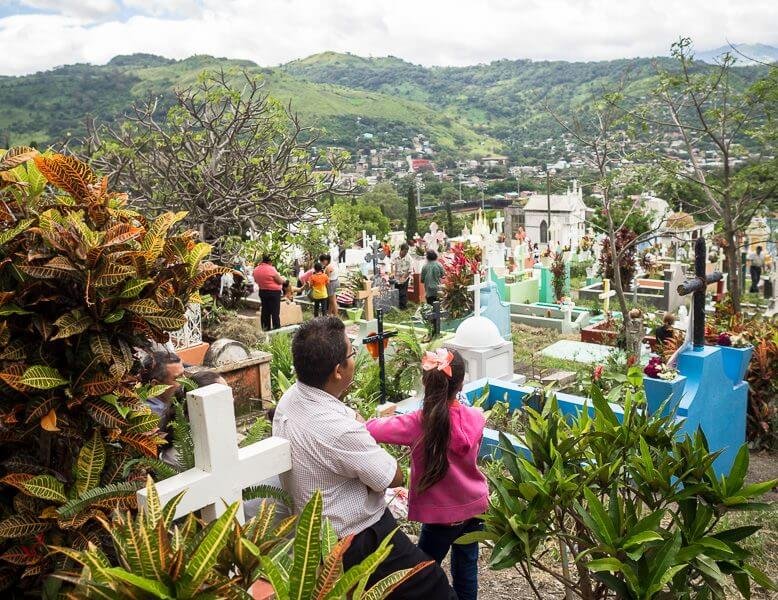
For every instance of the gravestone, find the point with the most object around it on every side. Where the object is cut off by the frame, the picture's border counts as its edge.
(497, 311)
(222, 470)
(376, 340)
(485, 352)
(607, 294)
(386, 298)
(225, 351)
(546, 291)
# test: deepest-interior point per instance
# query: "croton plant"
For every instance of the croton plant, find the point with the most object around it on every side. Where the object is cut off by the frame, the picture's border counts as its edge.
(83, 282)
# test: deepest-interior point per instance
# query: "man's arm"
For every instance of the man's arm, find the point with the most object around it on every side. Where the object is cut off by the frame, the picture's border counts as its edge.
(356, 454)
(399, 477)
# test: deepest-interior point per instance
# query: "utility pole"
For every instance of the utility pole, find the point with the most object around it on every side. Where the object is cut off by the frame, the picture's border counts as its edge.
(548, 205)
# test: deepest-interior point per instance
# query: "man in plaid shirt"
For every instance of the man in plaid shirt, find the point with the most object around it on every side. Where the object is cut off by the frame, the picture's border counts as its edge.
(333, 452)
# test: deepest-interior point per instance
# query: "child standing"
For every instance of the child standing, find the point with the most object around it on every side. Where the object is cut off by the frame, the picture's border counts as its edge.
(318, 282)
(447, 489)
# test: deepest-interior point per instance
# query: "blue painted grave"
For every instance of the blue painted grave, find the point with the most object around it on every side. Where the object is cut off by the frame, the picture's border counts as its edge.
(546, 293)
(703, 397)
(497, 311)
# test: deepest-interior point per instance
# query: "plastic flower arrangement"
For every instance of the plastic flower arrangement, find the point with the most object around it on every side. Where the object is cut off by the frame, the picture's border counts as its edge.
(736, 340)
(657, 369)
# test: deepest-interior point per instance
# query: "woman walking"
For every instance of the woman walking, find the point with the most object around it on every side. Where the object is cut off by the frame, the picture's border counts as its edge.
(270, 284)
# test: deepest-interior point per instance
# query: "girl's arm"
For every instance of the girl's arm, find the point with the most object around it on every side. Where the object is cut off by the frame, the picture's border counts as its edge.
(402, 430)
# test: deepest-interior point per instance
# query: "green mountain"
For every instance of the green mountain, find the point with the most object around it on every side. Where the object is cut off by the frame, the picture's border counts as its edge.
(51, 106)
(500, 106)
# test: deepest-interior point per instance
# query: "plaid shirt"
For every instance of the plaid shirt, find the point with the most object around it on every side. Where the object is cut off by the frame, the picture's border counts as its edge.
(334, 453)
(402, 267)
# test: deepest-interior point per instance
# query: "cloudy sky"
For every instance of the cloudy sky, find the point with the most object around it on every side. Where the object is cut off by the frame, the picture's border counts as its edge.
(40, 34)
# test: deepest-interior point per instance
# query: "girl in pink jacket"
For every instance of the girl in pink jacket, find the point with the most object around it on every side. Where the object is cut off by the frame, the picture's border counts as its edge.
(447, 489)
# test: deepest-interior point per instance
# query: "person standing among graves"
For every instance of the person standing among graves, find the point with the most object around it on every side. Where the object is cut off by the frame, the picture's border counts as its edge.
(447, 488)
(331, 270)
(431, 274)
(340, 458)
(270, 284)
(319, 293)
(665, 331)
(756, 263)
(401, 269)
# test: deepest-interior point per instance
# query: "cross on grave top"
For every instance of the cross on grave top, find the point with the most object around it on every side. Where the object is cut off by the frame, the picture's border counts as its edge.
(435, 317)
(607, 294)
(697, 287)
(378, 339)
(222, 470)
(476, 289)
(367, 294)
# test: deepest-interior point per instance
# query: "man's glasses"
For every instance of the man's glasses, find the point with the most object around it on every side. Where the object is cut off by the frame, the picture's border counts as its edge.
(350, 354)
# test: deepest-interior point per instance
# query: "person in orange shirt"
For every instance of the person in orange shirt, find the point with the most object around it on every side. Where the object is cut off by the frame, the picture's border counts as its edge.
(319, 294)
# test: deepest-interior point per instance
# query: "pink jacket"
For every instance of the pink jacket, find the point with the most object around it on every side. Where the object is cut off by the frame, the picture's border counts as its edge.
(463, 492)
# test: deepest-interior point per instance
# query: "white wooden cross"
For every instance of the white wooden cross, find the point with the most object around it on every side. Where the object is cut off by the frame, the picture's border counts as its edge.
(222, 470)
(476, 289)
(607, 294)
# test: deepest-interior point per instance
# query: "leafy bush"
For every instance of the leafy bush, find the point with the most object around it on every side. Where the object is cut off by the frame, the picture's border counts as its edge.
(160, 559)
(279, 346)
(558, 276)
(83, 281)
(624, 239)
(157, 558)
(633, 510)
(459, 269)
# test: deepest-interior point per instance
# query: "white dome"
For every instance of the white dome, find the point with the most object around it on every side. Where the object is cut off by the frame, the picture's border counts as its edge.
(477, 332)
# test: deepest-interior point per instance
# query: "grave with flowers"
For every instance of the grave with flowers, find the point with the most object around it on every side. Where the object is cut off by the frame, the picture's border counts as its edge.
(705, 391)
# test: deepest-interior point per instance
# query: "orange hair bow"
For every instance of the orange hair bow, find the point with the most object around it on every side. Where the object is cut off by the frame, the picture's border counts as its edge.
(440, 359)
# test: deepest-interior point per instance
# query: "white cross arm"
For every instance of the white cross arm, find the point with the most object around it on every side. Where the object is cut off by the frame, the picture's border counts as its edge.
(608, 294)
(222, 470)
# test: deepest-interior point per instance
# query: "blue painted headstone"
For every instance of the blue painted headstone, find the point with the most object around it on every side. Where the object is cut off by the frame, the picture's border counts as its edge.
(497, 311)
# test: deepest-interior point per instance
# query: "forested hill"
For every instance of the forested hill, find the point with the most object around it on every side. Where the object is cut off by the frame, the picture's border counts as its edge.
(463, 110)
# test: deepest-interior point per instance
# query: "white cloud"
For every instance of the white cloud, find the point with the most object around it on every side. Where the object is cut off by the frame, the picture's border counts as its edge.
(428, 32)
(78, 8)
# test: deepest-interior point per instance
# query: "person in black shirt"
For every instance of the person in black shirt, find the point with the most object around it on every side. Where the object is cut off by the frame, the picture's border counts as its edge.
(665, 331)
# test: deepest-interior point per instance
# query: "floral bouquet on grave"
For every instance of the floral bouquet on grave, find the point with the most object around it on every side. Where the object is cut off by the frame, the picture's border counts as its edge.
(658, 369)
(735, 340)
(585, 243)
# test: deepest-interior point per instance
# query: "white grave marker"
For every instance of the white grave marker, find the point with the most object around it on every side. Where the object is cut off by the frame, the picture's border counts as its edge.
(476, 289)
(222, 470)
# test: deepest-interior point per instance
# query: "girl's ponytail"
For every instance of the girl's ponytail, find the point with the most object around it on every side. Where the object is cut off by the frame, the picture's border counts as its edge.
(443, 374)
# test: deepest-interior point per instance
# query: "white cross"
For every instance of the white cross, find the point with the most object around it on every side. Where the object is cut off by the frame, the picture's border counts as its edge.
(222, 470)
(498, 221)
(607, 294)
(476, 289)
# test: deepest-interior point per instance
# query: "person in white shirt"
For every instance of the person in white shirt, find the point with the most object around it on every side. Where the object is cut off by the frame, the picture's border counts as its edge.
(756, 264)
(333, 452)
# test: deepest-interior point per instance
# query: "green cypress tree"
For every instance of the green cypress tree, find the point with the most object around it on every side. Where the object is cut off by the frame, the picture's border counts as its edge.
(412, 223)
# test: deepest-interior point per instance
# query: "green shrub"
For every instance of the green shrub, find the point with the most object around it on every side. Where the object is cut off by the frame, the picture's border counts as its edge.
(632, 510)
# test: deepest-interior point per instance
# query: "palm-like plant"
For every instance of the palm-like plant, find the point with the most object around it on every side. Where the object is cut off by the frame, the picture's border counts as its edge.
(159, 559)
(315, 544)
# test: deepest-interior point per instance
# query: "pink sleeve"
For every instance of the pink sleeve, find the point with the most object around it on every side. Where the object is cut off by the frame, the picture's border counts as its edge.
(402, 430)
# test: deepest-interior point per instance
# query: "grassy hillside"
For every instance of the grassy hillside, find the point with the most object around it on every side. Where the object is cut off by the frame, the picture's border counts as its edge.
(464, 110)
(504, 99)
(51, 106)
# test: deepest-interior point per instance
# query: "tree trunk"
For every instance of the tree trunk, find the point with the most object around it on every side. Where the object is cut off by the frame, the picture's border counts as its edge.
(733, 271)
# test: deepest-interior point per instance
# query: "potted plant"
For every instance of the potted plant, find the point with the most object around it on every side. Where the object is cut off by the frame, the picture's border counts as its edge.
(736, 352)
(663, 386)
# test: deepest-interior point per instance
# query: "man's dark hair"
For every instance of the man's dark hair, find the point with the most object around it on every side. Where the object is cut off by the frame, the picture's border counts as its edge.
(404, 246)
(323, 257)
(318, 346)
(266, 258)
(432, 255)
(154, 365)
(204, 377)
(758, 249)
